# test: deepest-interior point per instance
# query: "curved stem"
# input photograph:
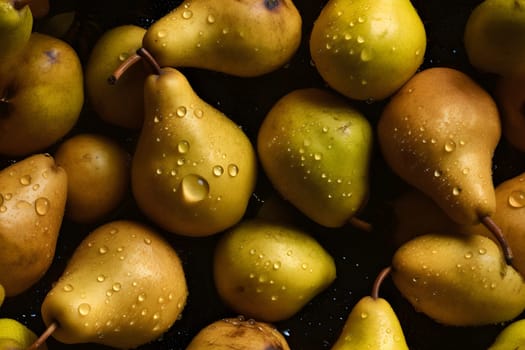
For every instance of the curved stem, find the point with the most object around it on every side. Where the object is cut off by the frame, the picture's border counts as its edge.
(500, 237)
(20, 4)
(378, 281)
(131, 60)
(43, 337)
(145, 54)
(360, 224)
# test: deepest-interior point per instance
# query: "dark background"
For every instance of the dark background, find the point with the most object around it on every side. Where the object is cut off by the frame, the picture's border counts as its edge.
(359, 256)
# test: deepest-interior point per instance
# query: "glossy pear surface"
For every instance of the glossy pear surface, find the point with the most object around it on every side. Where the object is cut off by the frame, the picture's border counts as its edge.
(512, 337)
(315, 148)
(14, 335)
(243, 38)
(33, 195)
(458, 280)
(493, 37)
(367, 49)
(123, 286)
(371, 324)
(43, 99)
(122, 103)
(439, 133)
(238, 333)
(194, 169)
(269, 271)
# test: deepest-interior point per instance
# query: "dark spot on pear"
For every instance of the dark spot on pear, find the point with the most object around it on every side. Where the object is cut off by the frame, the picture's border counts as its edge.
(271, 4)
(52, 55)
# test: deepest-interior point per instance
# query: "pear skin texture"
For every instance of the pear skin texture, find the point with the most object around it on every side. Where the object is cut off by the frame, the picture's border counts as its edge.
(493, 35)
(439, 133)
(33, 195)
(194, 169)
(512, 337)
(93, 161)
(510, 96)
(269, 271)
(122, 103)
(238, 333)
(243, 38)
(372, 324)
(315, 148)
(44, 97)
(367, 49)
(458, 280)
(16, 336)
(123, 286)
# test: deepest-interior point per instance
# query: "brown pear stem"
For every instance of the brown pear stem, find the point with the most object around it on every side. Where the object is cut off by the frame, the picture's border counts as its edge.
(500, 237)
(146, 55)
(360, 224)
(20, 4)
(43, 337)
(128, 62)
(378, 281)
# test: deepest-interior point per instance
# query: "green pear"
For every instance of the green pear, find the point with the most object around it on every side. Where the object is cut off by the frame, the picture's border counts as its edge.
(316, 149)
(123, 286)
(193, 170)
(458, 280)
(492, 37)
(238, 333)
(269, 270)
(121, 103)
(42, 100)
(16, 336)
(243, 38)
(367, 49)
(33, 195)
(509, 94)
(512, 337)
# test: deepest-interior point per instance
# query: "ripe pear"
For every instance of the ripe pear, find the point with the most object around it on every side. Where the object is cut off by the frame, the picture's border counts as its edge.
(493, 37)
(316, 149)
(42, 100)
(458, 280)
(512, 337)
(238, 333)
(243, 38)
(121, 103)
(33, 195)
(268, 270)
(16, 336)
(510, 97)
(98, 171)
(367, 49)
(439, 133)
(123, 286)
(193, 170)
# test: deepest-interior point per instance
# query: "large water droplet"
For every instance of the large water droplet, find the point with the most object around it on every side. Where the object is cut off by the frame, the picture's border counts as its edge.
(25, 180)
(517, 199)
(84, 309)
(116, 287)
(187, 14)
(233, 170)
(42, 206)
(218, 170)
(181, 111)
(194, 188)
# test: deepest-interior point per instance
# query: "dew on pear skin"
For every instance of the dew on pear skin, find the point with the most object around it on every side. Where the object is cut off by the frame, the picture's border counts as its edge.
(364, 315)
(141, 297)
(233, 170)
(217, 170)
(25, 180)
(360, 39)
(67, 288)
(181, 111)
(116, 287)
(194, 188)
(42, 206)
(101, 278)
(517, 199)
(366, 55)
(187, 14)
(456, 191)
(103, 250)
(84, 309)
(450, 146)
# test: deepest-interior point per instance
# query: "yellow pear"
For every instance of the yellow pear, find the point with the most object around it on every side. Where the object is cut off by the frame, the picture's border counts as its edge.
(367, 49)
(193, 170)
(16, 336)
(123, 286)
(243, 38)
(512, 337)
(33, 195)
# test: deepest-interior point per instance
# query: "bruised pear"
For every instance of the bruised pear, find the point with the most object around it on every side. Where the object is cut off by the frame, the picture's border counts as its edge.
(243, 38)
(194, 169)
(458, 280)
(33, 194)
(123, 286)
(238, 333)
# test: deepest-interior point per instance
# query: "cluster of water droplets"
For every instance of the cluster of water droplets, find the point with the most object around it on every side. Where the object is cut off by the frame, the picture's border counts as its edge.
(41, 205)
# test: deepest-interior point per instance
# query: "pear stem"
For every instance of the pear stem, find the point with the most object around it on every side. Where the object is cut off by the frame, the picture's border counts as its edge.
(43, 337)
(360, 224)
(145, 54)
(500, 237)
(131, 60)
(378, 281)
(20, 4)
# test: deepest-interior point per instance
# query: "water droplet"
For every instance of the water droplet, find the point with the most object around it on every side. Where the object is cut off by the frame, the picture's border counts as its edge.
(277, 265)
(141, 297)
(187, 14)
(517, 199)
(101, 278)
(366, 55)
(123, 56)
(450, 146)
(304, 266)
(181, 161)
(103, 250)
(218, 170)
(233, 170)
(211, 19)
(465, 171)
(25, 180)
(42, 206)
(360, 39)
(84, 309)
(456, 191)
(348, 36)
(482, 251)
(468, 255)
(116, 287)
(437, 173)
(183, 146)
(194, 188)
(364, 315)
(361, 19)
(67, 288)
(161, 34)
(181, 111)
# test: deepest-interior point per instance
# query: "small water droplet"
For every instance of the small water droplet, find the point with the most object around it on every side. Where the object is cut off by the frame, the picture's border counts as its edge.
(161, 34)
(233, 170)
(187, 14)
(366, 55)
(67, 288)
(364, 315)
(360, 39)
(194, 188)
(482, 251)
(468, 255)
(304, 266)
(123, 56)
(25, 180)
(361, 19)
(101, 278)
(437, 173)
(277, 265)
(181, 111)
(517, 199)
(116, 287)
(42, 206)
(141, 297)
(84, 309)
(211, 19)
(456, 191)
(218, 170)
(103, 250)
(450, 146)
